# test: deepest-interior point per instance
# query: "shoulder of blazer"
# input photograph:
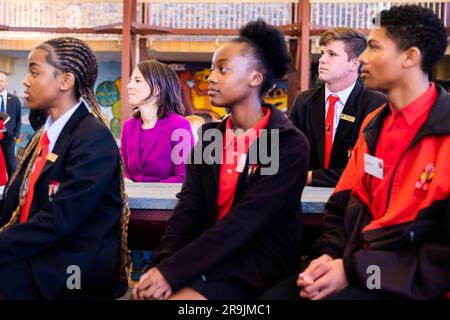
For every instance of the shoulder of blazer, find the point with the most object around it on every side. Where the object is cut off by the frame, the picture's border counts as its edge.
(14, 99)
(369, 100)
(129, 124)
(177, 121)
(308, 96)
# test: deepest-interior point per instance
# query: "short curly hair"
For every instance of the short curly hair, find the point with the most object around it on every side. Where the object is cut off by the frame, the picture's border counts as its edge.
(269, 49)
(415, 26)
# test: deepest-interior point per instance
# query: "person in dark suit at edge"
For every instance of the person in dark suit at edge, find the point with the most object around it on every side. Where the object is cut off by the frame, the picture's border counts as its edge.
(9, 104)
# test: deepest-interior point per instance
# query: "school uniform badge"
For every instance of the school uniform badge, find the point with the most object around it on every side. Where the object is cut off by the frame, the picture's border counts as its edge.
(349, 152)
(53, 188)
(251, 169)
(423, 183)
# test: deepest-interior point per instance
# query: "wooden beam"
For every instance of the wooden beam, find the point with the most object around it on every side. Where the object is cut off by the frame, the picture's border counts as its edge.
(111, 26)
(134, 44)
(145, 29)
(125, 112)
(59, 30)
(143, 54)
(292, 78)
(304, 68)
(289, 29)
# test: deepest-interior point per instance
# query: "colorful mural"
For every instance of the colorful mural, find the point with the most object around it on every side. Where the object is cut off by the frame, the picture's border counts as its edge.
(277, 97)
(26, 131)
(195, 91)
(108, 95)
(194, 85)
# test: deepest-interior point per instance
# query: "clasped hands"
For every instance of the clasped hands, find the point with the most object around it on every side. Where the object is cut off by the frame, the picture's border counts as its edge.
(323, 277)
(152, 286)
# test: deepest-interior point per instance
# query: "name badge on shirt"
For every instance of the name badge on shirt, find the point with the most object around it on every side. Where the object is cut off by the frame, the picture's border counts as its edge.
(241, 163)
(347, 117)
(373, 166)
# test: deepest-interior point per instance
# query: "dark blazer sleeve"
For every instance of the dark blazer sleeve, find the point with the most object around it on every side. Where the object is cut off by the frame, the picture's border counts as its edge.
(332, 240)
(254, 211)
(92, 160)
(418, 272)
(187, 220)
(297, 114)
(326, 178)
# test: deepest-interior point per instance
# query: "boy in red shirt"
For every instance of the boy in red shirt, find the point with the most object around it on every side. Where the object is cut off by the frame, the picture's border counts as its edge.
(386, 231)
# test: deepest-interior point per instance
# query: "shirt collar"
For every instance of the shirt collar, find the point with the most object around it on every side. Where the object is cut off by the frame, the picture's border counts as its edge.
(54, 128)
(343, 94)
(418, 107)
(261, 124)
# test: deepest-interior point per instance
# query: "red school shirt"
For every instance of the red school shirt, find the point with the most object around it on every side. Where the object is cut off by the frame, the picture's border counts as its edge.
(399, 129)
(236, 147)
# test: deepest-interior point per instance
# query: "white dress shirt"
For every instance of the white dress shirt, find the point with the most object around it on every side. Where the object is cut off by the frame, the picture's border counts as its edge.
(54, 128)
(339, 106)
(4, 94)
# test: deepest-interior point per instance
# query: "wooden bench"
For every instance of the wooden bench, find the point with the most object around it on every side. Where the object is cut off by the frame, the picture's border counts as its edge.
(152, 203)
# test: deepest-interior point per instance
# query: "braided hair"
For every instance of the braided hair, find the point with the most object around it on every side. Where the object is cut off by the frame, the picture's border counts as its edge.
(73, 56)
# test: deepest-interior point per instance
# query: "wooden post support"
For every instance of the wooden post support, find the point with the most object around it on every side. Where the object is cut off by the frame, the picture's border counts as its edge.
(303, 45)
(129, 7)
(292, 78)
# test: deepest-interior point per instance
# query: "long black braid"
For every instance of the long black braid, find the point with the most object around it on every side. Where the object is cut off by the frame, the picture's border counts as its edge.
(75, 56)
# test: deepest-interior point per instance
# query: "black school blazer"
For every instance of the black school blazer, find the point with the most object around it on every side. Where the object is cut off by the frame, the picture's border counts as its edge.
(308, 115)
(78, 225)
(258, 241)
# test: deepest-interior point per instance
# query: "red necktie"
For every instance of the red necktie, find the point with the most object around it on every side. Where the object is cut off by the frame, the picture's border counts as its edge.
(329, 130)
(38, 166)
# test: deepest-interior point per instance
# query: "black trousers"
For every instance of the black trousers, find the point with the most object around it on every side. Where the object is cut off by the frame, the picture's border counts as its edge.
(8, 146)
(288, 290)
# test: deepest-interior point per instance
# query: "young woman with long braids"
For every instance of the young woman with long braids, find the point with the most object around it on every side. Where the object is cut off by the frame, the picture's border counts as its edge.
(64, 217)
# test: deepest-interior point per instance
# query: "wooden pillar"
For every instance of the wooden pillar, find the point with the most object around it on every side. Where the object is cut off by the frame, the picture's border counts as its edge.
(292, 79)
(303, 45)
(129, 7)
(143, 55)
(134, 43)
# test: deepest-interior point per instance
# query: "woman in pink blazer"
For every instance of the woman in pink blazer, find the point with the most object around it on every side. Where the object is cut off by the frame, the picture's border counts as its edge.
(157, 139)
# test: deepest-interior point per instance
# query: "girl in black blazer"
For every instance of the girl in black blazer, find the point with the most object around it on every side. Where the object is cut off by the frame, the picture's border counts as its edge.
(64, 215)
(235, 230)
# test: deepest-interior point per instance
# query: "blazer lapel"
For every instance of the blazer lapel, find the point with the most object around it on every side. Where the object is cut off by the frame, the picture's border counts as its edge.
(134, 160)
(345, 127)
(63, 138)
(318, 121)
(8, 105)
(149, 144)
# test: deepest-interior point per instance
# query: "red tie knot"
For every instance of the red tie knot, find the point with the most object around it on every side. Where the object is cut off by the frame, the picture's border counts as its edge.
(333, 99)
(44, 140)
